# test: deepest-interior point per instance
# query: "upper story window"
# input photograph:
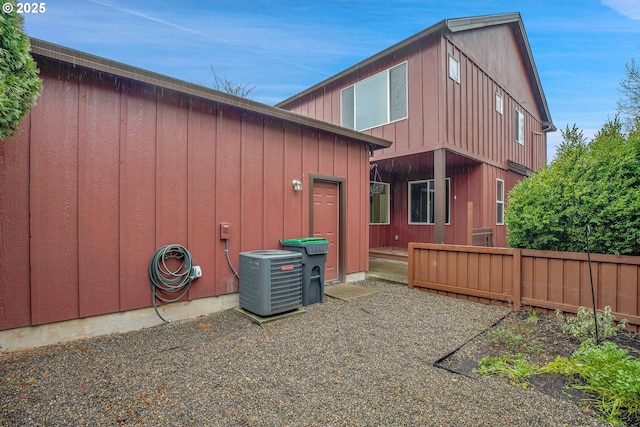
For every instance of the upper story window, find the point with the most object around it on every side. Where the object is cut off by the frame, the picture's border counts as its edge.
(375, 101)
(498, 103)
(454, 69)
(519, 127)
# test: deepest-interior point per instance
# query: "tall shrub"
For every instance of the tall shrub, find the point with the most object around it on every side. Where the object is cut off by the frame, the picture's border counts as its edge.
(19, 82)
(594, 184)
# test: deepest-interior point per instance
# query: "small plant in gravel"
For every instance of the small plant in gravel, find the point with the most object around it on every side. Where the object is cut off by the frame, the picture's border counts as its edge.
(517, 337)
(515, 341)
(516, 368)
(609, 373)
(582, 326)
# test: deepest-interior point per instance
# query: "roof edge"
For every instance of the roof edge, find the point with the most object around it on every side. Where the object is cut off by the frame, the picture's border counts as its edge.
(464, 24)
(453, 25)
(422, 34)
(118, 69)
(456, 24)
(473, 22)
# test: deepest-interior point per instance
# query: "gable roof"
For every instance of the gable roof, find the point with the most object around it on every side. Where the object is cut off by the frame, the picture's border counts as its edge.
(453, 26)
(117, 69)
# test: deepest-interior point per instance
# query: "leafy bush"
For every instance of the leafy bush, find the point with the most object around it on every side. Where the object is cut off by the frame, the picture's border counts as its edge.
(582, 326)
(609, 372)
(595, 184)
(19, 82)
(606, 372)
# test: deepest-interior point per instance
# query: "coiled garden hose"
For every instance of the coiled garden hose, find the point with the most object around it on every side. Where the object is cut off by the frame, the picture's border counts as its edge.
(166, 280)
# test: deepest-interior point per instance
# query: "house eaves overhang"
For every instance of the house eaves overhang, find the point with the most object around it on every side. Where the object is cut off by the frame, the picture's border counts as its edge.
(519, 169)
(76, 58)
(456, 25)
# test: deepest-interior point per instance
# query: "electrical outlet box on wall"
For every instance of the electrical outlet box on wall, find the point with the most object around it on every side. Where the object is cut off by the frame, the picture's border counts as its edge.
(225, 231)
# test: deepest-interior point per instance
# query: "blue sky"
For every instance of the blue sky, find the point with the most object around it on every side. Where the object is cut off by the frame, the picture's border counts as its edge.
(283, 47)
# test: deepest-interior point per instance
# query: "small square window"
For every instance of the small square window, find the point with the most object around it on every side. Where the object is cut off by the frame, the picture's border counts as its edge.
(498, 103)
(454, 69)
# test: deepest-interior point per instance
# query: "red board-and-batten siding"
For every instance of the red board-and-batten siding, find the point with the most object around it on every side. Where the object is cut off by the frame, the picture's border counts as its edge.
(108, 169)
(460, 117)
(443, 113)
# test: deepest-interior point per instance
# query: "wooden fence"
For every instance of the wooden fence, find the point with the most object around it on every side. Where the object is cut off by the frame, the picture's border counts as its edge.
(542, 280)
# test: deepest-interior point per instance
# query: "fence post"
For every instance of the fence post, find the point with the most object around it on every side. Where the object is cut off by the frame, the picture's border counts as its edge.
(470, 223)
(411, 264)
(517, 279)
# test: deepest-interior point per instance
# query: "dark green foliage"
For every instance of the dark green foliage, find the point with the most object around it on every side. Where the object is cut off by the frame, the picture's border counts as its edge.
(595, 183)
(608, 372)
(19, 82)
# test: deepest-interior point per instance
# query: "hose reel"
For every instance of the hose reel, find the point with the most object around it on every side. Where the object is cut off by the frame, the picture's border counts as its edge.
(171, 272)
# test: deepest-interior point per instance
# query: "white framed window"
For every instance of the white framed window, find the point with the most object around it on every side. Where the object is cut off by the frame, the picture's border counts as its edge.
(375, 101)
(499, 103)
(379, 203)
(499, 202)
(454, 69)
(519, 127)
(422, 201)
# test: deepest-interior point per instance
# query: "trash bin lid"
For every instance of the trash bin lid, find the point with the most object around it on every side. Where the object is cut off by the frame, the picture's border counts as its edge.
(303, 241)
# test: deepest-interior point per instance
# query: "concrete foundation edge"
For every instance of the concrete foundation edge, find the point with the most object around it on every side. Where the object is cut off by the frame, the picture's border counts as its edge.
(356, 277)
(69, 330)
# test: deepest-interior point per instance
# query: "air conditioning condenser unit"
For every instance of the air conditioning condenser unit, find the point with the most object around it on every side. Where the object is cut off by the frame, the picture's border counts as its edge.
(270, 281)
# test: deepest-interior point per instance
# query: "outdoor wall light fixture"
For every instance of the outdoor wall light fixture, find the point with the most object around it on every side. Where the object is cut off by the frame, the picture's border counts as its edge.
(297, 185)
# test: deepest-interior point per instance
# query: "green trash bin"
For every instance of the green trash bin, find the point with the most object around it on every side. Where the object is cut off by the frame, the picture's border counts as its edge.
(314, 256)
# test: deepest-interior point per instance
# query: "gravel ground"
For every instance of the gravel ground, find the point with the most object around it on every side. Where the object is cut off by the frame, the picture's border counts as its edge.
(364, 362)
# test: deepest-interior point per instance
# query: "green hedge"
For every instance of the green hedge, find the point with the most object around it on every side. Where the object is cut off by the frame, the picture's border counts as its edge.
(595, 184)
(19, 82)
